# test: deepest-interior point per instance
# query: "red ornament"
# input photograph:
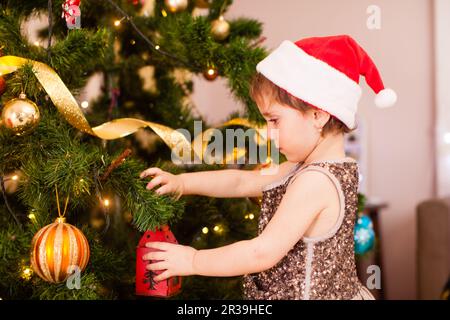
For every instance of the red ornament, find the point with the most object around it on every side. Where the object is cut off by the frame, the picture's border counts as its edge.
(136, 2)
(145, 284)
(2, 80)
(2, 86)
(71, 12)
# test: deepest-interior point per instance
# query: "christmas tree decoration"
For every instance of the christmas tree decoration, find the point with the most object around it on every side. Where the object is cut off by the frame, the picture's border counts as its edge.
(72, 14)
(12, 181)
(136, 2)
(145, 284)
(204, 4)
(58, 249)
(71, 151)
(127, 216)
(20, 115)
(210, 74)
(26, 273)
(364, 235)
(220, 29)
(176, 5)
(97, 220)
(67, 105)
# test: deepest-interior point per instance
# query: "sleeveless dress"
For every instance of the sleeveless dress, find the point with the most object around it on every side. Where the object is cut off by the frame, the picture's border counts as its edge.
(318, 267)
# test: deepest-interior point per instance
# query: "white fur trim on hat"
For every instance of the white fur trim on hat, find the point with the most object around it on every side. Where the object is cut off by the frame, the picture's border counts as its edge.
(313, 81)
(385, 98)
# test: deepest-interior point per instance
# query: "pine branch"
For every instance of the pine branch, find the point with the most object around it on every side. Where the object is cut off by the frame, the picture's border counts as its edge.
(116, 163)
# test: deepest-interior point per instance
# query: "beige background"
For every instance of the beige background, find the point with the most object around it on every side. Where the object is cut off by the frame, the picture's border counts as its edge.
(400, 141)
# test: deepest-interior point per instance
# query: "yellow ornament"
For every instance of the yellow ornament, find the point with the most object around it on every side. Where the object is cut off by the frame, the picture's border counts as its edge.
(220, 28)
(20, 115)
(176, 5)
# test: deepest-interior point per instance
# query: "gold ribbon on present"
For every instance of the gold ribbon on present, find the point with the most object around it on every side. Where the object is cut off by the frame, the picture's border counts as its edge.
(66, 104)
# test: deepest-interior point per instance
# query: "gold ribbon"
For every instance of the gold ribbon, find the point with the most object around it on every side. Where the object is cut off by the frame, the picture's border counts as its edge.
(66, 104)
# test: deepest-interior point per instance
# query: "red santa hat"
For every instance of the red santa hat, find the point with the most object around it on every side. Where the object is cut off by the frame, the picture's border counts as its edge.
(324, 72)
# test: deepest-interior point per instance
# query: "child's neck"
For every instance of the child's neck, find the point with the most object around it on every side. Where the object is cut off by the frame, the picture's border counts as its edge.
(328, 148)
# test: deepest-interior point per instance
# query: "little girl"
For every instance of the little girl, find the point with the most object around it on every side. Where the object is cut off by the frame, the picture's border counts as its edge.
(308, 92)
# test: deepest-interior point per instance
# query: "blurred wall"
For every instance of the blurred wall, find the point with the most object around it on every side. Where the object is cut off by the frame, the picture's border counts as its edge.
(400, 141)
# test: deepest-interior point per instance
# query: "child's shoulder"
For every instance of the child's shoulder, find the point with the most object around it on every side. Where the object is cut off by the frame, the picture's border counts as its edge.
(318, 185)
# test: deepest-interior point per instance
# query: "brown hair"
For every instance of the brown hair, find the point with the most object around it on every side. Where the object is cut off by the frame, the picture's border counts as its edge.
(261, 88)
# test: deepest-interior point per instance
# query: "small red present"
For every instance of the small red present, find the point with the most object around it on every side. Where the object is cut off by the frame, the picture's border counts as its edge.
(145, 284)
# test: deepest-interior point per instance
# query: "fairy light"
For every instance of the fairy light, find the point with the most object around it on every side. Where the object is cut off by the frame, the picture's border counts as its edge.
(37, 44)
(81, 180)
(27, 273)
(246, 216)
(211, 71)
(216, 228)
(85, 104)
(117, 23)
(164, 13)
(14, 177)
(106, 203)
(31, 216)
(157, 47)
(251, 216)
(133, 42)
(205, 230)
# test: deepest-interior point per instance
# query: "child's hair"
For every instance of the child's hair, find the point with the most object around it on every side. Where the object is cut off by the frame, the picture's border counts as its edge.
(260, 86)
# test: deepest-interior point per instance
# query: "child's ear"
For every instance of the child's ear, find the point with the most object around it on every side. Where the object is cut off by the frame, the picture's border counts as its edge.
(321, 117)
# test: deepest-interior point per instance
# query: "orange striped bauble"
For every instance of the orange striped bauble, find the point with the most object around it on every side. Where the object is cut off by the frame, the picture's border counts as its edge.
(57, 247)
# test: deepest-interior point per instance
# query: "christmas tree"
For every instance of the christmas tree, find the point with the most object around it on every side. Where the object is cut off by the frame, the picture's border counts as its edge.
(75, 161)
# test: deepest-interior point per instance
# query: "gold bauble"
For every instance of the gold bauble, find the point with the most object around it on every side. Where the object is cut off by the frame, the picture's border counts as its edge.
(176, 5)
(203, 3)
(20, 115)
(97, 222)
(220, 28)
(128, 216)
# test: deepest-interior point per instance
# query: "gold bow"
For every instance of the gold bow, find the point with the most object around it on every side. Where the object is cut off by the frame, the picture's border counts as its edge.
(66, 104)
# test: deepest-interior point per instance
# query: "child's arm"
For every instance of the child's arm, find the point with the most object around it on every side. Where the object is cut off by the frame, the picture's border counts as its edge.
(228, 183)
(231, 183)
(304, 199)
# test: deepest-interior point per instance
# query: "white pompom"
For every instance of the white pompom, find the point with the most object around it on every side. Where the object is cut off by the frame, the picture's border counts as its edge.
(386, 98)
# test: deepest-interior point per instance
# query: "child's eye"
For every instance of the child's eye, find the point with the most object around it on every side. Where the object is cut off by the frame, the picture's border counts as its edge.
(273, 120)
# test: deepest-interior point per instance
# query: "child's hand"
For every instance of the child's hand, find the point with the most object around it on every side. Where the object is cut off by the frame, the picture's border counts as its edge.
(171, 183)
(175, 259)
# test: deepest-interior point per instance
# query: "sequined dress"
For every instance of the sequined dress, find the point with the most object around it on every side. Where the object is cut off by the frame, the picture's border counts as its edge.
(318, 267)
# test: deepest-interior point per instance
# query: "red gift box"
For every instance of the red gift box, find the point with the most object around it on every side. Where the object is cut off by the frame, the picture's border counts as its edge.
(145, 284)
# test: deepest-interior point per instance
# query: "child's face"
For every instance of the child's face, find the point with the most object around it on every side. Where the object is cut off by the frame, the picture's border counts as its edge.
(297, 133)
